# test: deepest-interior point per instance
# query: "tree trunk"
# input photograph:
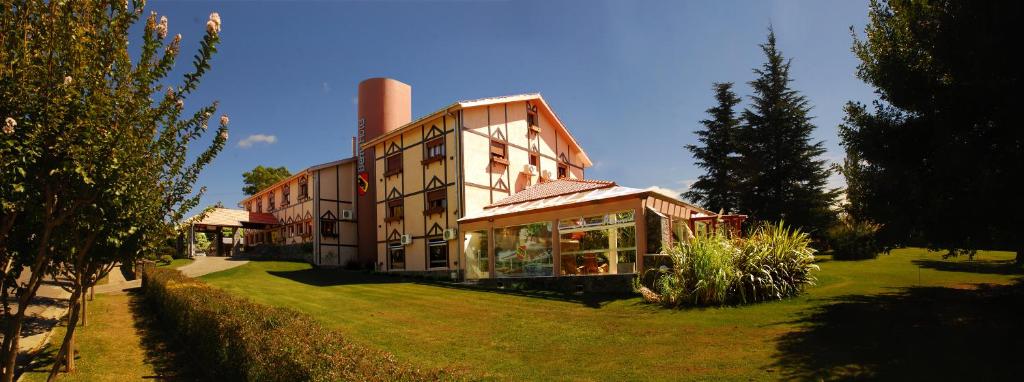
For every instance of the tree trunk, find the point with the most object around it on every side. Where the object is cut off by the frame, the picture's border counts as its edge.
(10, 343)
(66, 354)
(11, 340)
(1020, 254)
(84, 315)
(12, 334)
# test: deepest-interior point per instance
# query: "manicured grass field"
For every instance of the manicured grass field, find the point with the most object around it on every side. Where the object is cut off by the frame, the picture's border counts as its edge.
(908, 314)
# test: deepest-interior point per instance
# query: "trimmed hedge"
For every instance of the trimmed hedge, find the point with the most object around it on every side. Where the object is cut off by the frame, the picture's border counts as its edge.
(233, 338)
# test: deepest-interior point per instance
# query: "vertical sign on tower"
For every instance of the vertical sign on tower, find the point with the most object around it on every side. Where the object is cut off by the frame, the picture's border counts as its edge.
(362, 177)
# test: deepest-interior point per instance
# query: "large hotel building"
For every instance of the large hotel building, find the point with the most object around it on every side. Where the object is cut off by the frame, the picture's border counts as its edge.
(490, 188)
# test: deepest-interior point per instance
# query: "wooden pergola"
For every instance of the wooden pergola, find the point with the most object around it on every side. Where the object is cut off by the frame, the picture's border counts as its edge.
(218, 219)
(734, 223)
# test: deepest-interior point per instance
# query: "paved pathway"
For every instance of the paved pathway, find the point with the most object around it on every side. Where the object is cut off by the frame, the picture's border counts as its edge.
(205, 265)
(201, 266)
(45, 311)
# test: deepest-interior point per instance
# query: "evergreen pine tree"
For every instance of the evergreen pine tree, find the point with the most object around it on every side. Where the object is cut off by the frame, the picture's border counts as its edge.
(717, 154)
(782, 174)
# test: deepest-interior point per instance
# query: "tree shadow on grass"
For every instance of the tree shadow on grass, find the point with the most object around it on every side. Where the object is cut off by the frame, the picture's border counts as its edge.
(996, 267)
(40, 362)
(335, 277)
(919, 333)
(169, 358)
(590, 300)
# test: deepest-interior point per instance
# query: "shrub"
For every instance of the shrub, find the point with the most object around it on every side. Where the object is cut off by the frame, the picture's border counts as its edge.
(166, 259)
(775, 262)
(233, 338)
(701, 272)
(854, 240)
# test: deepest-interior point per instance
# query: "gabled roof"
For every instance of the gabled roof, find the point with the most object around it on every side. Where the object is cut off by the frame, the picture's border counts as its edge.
(552, 189)
(556, 194)
(226, 217)
(296, 175)
(568, 192)
(465, 104)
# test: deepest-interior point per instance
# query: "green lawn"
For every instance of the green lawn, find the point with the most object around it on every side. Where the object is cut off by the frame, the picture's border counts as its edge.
(108, 350)
(908, 314)
(122, 342)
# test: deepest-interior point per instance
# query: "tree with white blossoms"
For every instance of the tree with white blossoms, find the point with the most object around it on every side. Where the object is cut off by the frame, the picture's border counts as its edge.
(95, 148)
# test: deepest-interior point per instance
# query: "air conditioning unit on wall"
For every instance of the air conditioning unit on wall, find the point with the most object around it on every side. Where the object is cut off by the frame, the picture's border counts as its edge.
(449, 234)
(406, 239)
(346, 215)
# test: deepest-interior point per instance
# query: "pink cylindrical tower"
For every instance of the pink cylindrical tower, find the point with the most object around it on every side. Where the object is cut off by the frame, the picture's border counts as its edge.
(384, 105)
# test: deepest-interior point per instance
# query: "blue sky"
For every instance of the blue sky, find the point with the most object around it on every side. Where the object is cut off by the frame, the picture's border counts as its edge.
(629, 79)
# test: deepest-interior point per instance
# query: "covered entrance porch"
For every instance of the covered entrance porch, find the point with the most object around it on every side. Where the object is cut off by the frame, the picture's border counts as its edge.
(225, 227)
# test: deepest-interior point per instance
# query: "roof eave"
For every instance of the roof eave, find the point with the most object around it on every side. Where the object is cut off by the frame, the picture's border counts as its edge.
(484, 102)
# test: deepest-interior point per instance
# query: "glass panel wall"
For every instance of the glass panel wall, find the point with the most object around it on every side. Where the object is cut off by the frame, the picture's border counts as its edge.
(680, 231)
(595, 245)
(523, 250)
(478, 265)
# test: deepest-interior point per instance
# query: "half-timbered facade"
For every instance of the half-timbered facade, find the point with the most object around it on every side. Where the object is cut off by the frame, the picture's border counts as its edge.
(505, 168)
(315, 206)
(453, 162)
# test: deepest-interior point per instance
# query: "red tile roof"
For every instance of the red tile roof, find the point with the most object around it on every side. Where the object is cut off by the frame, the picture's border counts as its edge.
(552, 189)
(262, 218)
(226, 217)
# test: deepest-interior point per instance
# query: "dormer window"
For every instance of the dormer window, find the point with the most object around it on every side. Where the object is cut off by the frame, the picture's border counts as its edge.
(271, 203)
(563, 171)
(286, 195)
(437, 201)
(396, 210)
(303, 187)
(434, 151)
(393, 165)
(259, 205)
(532, 122)
(328, 227)
(499, 152)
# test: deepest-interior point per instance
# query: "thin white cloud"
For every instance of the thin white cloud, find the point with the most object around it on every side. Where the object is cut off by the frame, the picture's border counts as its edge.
(257, 138)
(325, 87)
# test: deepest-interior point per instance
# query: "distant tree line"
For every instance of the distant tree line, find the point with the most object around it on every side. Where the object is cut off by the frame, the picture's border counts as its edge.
(260, 177)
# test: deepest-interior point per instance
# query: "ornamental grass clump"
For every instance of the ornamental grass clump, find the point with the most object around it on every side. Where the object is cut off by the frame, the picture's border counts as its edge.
(774, 262)
(233, 338)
